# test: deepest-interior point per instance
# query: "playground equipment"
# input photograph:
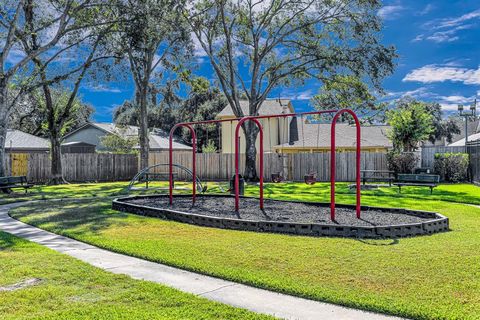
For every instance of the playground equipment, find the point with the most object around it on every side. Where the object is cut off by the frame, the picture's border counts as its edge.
(255, 119)
(138, 177)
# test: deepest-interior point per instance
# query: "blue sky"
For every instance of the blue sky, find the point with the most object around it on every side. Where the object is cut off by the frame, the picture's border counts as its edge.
(438, 43)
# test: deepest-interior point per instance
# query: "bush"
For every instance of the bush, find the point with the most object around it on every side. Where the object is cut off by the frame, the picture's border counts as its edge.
(451, 167)
(401, 162)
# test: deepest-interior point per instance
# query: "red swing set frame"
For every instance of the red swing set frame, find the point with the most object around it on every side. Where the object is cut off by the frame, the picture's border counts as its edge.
(255, 119)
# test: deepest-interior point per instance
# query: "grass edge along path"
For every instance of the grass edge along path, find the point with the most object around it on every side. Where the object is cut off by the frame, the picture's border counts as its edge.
(274, 261)
(64, 287)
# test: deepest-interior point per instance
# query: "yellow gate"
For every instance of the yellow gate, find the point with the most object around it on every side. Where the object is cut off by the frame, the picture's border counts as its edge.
(19, 164)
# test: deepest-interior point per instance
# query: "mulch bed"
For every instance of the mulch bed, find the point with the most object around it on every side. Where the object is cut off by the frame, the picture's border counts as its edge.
(279, 211)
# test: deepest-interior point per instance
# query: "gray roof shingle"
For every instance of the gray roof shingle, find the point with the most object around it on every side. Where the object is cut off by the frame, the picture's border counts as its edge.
(17, 139)
(318, 135)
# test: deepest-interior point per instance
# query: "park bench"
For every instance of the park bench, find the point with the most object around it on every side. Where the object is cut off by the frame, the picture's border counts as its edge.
(418, 180)
(377, 175)
(9, 183)
(156, 176)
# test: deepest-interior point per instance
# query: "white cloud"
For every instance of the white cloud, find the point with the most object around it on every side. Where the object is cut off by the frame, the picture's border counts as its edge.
(449, 106)
(454, 22)
(435, 73)
(102, 88)
(428, 8)
(390, 12)
(445, 30)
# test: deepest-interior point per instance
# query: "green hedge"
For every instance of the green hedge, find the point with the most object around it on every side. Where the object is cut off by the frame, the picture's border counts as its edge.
(452, 167)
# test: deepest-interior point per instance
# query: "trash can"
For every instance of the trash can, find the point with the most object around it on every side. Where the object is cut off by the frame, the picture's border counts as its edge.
(241, 185)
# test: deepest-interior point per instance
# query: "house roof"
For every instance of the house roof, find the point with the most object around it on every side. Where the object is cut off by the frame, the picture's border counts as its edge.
(473, 127)
(461, 142)
(107, 127)
(269, 107)
(77, 143)
(313, 135)
(160, 140)
(17, 139)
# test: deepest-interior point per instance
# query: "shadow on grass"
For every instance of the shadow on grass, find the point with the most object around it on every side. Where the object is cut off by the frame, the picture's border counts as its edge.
(90, 216)
(372, 242)
(8, 241)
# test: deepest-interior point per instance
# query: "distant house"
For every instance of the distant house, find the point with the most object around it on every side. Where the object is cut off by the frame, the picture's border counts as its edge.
(78, 147)
(21, 142)
(92, 133)
(297, 135)
(315, 137)
(473, 128)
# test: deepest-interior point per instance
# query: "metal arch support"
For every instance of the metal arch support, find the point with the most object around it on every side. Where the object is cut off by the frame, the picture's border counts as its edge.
(170, 161)
(200, 186)
(237, 151)
(333, 158)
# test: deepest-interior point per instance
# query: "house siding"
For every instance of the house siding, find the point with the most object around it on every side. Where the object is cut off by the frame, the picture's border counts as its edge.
(90, 135)
(275, 132)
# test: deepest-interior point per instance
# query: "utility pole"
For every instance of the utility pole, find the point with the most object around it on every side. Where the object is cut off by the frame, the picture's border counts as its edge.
(467, 114)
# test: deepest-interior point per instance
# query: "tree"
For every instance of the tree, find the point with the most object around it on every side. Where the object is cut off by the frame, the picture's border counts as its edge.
(31, 116)
(349, 92)
(155, 43)
(82, 45)
(411, 124)
(443, 127)
(57, 19)
(257, 46)
(118, 144)
(203, 102)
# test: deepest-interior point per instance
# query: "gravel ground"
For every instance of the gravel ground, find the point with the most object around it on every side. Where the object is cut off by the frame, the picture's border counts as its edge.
(278, 211)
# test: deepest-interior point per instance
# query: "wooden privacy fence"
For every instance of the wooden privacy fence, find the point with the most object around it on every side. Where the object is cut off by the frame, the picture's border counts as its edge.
(474, 154)
(428, 154)
(216, 166)
(85, 167)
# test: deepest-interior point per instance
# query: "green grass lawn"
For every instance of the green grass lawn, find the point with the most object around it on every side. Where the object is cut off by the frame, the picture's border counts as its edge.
(70, 289)
(429, 277)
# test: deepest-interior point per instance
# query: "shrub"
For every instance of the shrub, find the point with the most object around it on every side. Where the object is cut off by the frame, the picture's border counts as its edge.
(401, 162)
(452, 167)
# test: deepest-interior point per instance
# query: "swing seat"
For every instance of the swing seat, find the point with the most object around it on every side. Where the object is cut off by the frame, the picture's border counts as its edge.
(310, 178)
(277, 177)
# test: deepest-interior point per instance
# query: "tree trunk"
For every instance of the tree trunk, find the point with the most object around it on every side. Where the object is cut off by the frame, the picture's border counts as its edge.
(3, 125)
(251, 133)
(56, 154)
(143, 127)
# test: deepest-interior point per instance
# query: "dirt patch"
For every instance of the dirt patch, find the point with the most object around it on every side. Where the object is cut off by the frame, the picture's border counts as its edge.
(21, 285)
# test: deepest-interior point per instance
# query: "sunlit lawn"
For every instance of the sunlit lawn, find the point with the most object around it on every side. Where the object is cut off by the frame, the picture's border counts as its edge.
(429, 277)
(69, 289)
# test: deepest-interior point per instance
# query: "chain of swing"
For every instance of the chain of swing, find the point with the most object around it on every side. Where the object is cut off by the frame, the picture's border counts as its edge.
(310, 176)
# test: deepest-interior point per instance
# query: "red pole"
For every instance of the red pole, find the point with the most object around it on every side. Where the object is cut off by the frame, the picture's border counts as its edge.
(332, 167)
(170, 166)
(194, 164)
(333, 158)
(237, 149)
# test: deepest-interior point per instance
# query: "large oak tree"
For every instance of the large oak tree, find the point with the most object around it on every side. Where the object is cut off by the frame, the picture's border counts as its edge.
(256, 46)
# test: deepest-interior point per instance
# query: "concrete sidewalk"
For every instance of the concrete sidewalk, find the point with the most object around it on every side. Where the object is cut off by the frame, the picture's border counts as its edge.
(231, 293)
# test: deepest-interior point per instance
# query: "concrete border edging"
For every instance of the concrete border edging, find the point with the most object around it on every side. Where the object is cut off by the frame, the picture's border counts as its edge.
(438, 222)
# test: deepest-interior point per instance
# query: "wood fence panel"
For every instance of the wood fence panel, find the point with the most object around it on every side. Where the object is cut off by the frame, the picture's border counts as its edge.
(428, 154)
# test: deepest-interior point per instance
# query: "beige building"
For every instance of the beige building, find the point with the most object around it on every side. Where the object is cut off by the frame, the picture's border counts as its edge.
(276, 130)
(297, 135)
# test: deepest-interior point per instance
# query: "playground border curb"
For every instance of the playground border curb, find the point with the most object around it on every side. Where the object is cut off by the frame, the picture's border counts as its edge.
(438, 222)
